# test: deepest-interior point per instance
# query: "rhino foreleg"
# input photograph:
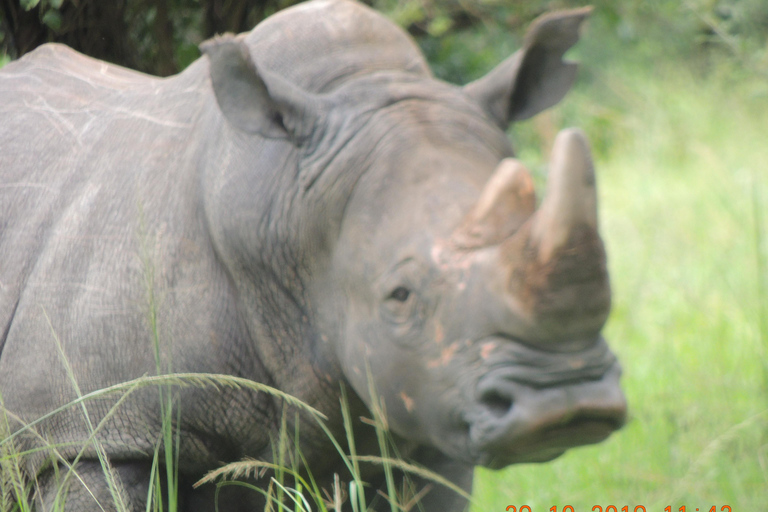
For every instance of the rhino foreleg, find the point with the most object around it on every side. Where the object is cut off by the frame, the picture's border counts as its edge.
(431, 496)
(438, 497)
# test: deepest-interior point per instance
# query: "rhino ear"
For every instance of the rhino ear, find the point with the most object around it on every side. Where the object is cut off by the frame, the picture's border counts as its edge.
(535, 77)
(255, 100)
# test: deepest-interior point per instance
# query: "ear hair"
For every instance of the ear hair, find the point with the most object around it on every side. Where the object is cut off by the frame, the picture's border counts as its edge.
(535, 77)
(256, 100)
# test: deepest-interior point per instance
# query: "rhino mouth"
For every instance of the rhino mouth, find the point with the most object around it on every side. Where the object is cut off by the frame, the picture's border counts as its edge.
(549, 442)
(512, 420)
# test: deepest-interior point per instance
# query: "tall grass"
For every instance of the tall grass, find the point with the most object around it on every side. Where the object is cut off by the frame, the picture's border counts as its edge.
(290, 484)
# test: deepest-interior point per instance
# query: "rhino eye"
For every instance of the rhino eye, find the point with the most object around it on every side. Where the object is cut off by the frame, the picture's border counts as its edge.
(400, 294)
(403, 310)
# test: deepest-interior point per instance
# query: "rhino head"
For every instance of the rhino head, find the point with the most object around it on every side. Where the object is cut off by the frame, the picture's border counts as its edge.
(473, 314)
(477, 314)
(483, 335)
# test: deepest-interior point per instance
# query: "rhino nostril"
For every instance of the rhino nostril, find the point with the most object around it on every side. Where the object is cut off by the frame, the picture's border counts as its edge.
(497, 403)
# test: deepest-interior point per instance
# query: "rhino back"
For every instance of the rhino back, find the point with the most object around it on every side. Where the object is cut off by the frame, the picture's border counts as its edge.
(82, 146)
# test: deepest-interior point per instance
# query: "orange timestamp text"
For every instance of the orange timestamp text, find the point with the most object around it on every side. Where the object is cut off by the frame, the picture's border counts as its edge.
(625, 508)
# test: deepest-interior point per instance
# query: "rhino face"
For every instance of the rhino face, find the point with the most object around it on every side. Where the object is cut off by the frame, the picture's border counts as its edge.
(477, 318)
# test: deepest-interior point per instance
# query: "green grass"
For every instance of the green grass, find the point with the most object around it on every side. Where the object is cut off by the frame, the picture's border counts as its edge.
(683, 175)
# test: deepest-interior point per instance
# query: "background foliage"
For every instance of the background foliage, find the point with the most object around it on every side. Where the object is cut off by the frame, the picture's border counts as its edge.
(461, 36)
(674, 97)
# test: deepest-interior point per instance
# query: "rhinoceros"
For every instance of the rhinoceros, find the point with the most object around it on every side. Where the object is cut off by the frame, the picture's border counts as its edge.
(305, 206)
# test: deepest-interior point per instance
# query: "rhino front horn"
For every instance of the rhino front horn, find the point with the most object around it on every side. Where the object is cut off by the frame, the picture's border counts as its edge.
(570, 202)
(556, 263)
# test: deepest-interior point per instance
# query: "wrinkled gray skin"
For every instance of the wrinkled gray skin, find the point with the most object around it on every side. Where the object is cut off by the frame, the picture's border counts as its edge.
(304, 204)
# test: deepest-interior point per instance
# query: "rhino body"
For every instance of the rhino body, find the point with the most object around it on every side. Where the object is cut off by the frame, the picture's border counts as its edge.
(307, 207)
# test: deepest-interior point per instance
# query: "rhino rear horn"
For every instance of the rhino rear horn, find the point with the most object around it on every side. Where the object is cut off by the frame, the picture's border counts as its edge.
(507, 201)
(255, 100)
(535, 77)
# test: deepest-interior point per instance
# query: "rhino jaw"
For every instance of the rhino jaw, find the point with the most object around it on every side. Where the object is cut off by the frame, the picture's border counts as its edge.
(512, 421)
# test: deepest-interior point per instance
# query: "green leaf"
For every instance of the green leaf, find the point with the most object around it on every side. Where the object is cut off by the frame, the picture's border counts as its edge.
(408, 13)
(52, 19)
(29, 4)
(56, 4)
(439, 26)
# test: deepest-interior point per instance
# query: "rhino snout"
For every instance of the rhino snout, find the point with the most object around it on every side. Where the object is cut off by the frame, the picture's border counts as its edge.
(514, 422)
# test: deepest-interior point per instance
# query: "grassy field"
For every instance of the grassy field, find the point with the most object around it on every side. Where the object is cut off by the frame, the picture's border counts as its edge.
(681, 157)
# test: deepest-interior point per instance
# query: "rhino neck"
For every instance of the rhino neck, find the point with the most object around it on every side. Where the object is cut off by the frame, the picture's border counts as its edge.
(255, 218)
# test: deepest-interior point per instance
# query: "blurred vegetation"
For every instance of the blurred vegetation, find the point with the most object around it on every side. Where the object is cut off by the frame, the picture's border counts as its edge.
(462, 39)
(154, 36)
